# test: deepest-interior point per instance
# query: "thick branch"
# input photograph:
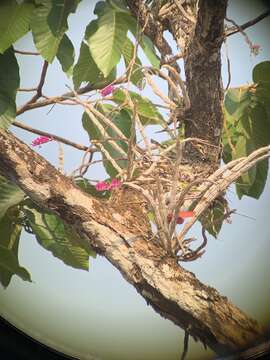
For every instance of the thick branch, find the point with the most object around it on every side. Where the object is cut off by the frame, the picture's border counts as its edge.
(122, 236)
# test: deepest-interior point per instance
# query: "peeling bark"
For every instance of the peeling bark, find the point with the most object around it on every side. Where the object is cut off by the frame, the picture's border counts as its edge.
(173, 292)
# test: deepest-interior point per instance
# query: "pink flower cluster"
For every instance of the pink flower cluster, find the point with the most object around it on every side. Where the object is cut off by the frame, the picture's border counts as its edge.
(103, 185)
(41, 140)
(107, 90)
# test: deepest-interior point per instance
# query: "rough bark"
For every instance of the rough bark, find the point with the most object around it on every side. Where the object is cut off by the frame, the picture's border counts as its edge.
(203, 79)
(125, 240)
(200, 42)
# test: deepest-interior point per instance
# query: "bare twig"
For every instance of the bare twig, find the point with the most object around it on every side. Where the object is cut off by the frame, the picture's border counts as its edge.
(254, 48)
(55, 137)
(39, 88)
(26, 52)
(236, 29)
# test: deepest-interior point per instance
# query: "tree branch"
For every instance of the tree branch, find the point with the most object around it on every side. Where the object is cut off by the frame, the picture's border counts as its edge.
(120, 232)
(54, 137)
(234, 29)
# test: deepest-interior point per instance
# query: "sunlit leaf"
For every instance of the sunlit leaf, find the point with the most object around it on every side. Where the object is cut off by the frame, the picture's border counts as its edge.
(14, 22)
(108, 40)
(86, 68)
(49, 23)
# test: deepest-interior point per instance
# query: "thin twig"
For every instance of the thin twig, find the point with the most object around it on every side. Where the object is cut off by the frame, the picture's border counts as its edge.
(55, 137)
(235, 29)
(26, 52)
(39, 88)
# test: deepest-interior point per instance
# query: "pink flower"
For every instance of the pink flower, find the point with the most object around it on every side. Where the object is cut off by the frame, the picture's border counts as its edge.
(102, 186)
(107, 90)
(114, 184)
(41, 140)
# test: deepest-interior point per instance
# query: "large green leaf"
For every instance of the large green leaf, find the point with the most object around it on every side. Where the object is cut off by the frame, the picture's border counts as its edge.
(86, 68)
(247, 129)
(147, 112)
(65, 54)
(10, 195)
(123, 121)
(107, 42)
(49, 23)
(261, 72)
(14, 22)
(9, 242)
(9, 83)
(59, 238)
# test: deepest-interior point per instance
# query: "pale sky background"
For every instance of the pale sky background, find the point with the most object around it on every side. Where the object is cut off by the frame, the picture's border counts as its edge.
(97, 314)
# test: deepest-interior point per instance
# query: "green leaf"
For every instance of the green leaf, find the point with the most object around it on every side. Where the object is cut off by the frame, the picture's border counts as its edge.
(147, 112)
(9, 83)
(137, 75)
(247, 115)
(123, 121)
(9, 265)
(236, 101)
(145, 42)
(150, 51)
(261, 72)
(14, 22)
(256, 189)
(213, 218)
(108, 40)
(57, 18)
(86, 68)
(65, 55)
(59, 238)
(119, 5)
(9, 243)
(49, 23)
(243, 148)
(10, 195)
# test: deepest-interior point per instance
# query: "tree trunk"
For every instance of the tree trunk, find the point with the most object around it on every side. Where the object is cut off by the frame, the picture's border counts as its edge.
(121, 235)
